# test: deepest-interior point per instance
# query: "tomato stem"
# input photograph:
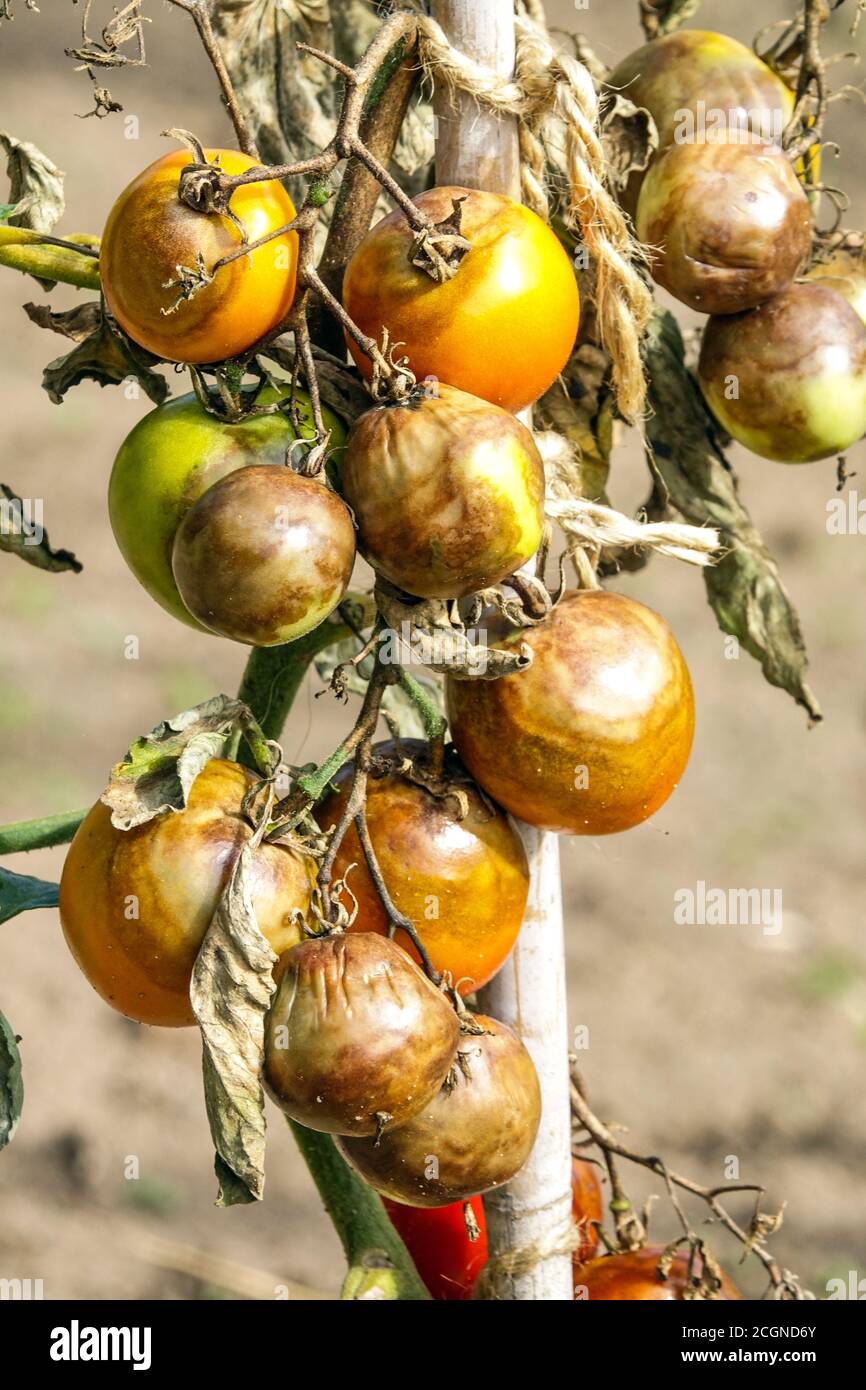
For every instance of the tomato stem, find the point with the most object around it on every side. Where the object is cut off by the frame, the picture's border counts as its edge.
(43, 833)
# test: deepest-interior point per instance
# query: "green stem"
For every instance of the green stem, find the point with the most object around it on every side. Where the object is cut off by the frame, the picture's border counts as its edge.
(21, 250)
(272, 679)
(25, 835)
(434, 722)
(359, 1219)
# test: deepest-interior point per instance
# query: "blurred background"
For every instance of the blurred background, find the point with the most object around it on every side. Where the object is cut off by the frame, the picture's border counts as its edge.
(705, 1042)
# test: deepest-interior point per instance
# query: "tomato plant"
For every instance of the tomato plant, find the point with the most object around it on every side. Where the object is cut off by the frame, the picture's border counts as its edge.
(149, 233)
(322, 922)
(502, 330)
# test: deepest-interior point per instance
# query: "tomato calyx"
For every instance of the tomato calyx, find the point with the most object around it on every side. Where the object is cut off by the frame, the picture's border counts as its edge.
(439, 249)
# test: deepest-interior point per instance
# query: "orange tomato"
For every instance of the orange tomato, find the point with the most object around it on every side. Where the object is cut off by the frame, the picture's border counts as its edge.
(462, 883)
(594, 736)
(502, 328)
(135, 904)
(634, 1277)
(587, 1206)
(150, 232)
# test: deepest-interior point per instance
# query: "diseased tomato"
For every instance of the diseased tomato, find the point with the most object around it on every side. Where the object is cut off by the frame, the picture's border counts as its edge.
(150, 232)
(461, 880)
(173, 455)
(634, 1277)
(503, 327)
(474, 1135)
(264, 555)
(447, 492)
(788, 379)
(845, 272)
(587, 1206)
(594, 736)
(135, 904)
(730, 221)
(437, 1239)
(356, 1038)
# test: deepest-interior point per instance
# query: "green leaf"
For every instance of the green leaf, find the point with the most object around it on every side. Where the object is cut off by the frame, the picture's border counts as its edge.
(21, 893)
(231, 990)
(35, 185)
(21, 534)
(158, 771)
(745, 588)
(11, 1083)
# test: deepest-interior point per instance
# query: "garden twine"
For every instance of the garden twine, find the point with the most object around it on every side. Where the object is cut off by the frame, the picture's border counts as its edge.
(555, 103)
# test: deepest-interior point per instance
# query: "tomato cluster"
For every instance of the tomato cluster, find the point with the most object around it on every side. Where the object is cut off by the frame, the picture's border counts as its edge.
(783, 359)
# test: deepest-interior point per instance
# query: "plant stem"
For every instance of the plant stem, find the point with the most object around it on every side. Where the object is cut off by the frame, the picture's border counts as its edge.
(270, 683)
(359, 1218)
(24, 835)
(434, 722)
(25, 250)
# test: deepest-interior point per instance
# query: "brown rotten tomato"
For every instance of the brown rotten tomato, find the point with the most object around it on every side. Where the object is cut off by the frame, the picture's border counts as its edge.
(634, 1277)
(150, 233)
(264, 555)
(696, 82)
(788, 379)
(845, 272)
(356, 1038)
(502, 327)
(135, 904)
(447, 492)
(474, 1135)
(730, 220)
(594, 736)
(462, 880)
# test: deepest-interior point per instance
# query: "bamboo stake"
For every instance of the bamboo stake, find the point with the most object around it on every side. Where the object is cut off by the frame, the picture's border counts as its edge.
(475, 149)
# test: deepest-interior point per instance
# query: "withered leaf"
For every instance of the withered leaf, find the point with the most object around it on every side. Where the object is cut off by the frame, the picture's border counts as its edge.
(22, 534)
(745, 589)
(11, 1083)
(440, 643)
(628, 136)
(158, 771)
(35, 185)
(101, 354)
(231, 989)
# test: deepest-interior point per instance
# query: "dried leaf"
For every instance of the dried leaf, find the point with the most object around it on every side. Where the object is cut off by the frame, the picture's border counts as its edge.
(21, 893)
(232, 986)
(102, 353)
(35, 185)
(158, 771)
(22, 534)
(399, 709)
(629, 138)
(744, 589)
(11, 1083)
(441, 643)
(580, 407)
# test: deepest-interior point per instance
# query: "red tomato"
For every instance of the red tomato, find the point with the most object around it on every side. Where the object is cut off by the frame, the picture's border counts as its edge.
(437, 1239)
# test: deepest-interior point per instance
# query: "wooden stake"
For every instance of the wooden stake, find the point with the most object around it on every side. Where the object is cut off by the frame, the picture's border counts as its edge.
(475, 149)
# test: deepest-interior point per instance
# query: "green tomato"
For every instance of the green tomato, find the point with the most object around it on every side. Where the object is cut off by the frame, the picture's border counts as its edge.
(170, 459)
